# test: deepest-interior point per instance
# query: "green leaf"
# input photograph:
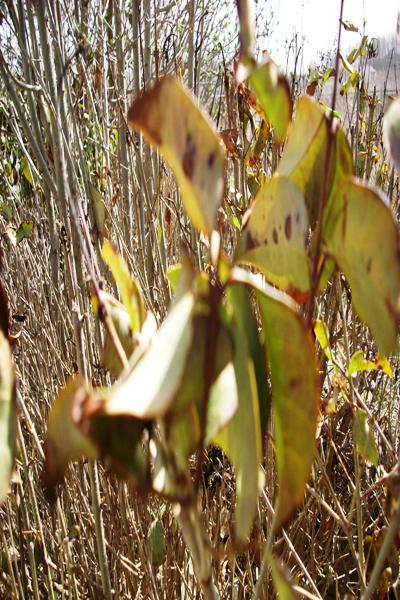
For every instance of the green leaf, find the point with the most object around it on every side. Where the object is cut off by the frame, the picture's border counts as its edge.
(8, 423)
(26, 170)
(391, 131)
(148, 391)
(23, 231)
(128, 286)
(364, 438)
(274, 237)
(322, 335)
(281, 579)
(156, 543)
(64, 439)
(240, 439)
(6, 210)
(350, 27)
(359, 363)
(295, 392)
(361, 234)
(272, 93)
(222, 402)
(173, 275)
(170, 120)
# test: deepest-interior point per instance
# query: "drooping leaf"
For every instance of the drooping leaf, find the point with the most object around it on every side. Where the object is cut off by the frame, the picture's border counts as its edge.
(119, 443)
(65, 441)
(26, 170)
(391, 131)
(295, 392)
(364, 438)
(281, 579)
(274, 237)
(150, 388)
(156, 543)
(171, 120)
(240, 439)
(272, 93)
(127, 285)
(8, 423)
(303, 160)
(360, 233)
(359, 363)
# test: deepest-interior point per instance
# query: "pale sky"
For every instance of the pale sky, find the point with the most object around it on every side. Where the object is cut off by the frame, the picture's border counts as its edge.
(318, 21)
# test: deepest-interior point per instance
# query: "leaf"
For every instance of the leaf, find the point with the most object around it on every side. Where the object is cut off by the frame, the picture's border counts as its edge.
(240, 439)
(128, 286)
(322, 335)
(359, 363)
(222, 402)
(274, 237)
(391, 131)
(6, 210)
(99, 209)
(173, 275)
(8, 424)
(150, 388)
(23, 231)
(281, 579)
(169, 119)
(364, 438)
(295, 392)
(360, 233)
(122, 325)
(272, 93)
(64, 439)
(156, 543)
(303, 159)
(350, 27)
(119, 443)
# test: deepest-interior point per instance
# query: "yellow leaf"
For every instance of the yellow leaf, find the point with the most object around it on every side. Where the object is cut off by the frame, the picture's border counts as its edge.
(171, 120)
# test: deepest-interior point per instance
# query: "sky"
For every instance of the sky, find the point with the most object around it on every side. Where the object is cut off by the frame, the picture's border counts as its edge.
(317, 20)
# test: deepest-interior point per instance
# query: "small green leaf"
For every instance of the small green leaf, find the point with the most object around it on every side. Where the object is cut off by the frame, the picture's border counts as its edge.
(360, 233)
(26, 170)
(6, 210)
(322, 335)
(64, 439)
(350, 27)
(171, 120)
(8, 423)
(272, 93)
(156, 543)
(148, 391)
(364, 438)
(128, 286)
(23, 231)
(359, 363)
(122, 324)
(99, 209)
(173, 275)
(274, 237)
(222, 403)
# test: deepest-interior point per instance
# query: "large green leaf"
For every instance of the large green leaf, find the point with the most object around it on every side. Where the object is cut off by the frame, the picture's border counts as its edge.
(295, 392)
(171, 120)
(240, 439)
(361, 234)
(150, 388)
(303, 160)
(7, 415)
(272, 92)
(274, 238)
(65, 440)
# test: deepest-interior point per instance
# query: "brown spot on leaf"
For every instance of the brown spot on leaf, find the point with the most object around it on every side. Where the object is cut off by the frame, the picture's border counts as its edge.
(189, 156)
(297, 217)
(369, 263)
(250, 241)
(275, 236)
(288, 227)
(294, 382)
(211, 160)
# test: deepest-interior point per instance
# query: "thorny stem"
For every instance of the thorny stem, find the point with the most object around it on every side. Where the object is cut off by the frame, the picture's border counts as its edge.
(316, 267)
